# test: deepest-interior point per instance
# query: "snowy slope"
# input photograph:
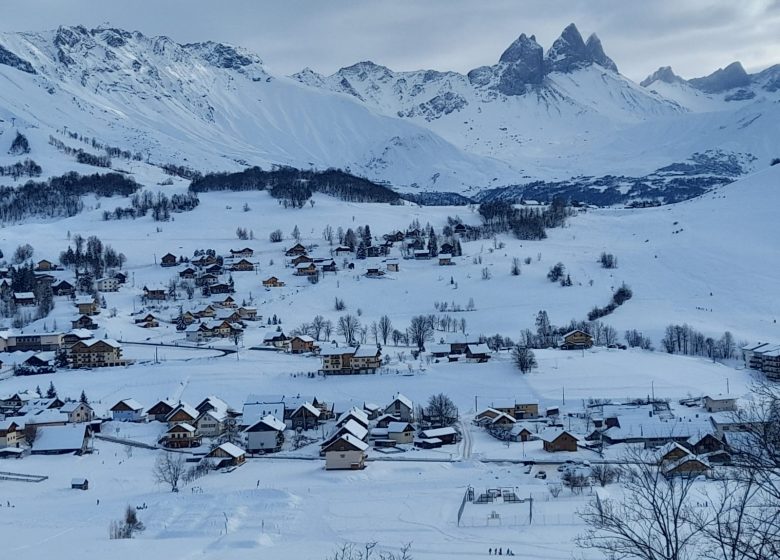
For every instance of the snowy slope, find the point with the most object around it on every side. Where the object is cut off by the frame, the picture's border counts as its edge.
(210, 107)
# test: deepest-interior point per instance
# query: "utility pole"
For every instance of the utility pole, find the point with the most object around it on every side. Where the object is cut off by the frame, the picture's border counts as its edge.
(530, 510)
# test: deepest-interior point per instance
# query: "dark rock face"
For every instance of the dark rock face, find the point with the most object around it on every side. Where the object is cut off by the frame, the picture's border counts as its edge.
(568, 52)
(521, 64)
(731, 77)
(436, 107)
(663, 74)
(480, 76)
(597, 55)
(10, 59)
(222, 56)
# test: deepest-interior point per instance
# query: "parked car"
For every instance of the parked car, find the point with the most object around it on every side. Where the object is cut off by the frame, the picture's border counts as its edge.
(541, 475)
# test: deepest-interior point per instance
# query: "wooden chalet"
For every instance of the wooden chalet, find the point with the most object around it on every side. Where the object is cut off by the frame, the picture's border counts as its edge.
(84, 322)
(161, 410)
(301, 344)
(168, 260)
(576, 340)
(157, 294)
(557, 439)
(24, 299)
(305, 417)
(96, 353)
(227, 455)
(346, 453)
(301, 259)
(148, 321)
(295, 250)
(242, 266)
(272, 282)
(245, 253)
(401, 407)
(45, 266)
(266, 435)
(181, 436)
(306, 269)
(63, 288)
(188, 273)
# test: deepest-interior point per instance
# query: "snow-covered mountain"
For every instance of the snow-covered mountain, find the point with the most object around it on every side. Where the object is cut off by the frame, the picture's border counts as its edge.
(564, 116)
(530, 107)
(210, 107)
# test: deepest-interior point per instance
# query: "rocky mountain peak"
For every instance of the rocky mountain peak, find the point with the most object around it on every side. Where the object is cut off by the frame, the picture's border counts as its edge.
(596, 53)
(663, 74)
(723, 79)
(568, 52)
(520, 64)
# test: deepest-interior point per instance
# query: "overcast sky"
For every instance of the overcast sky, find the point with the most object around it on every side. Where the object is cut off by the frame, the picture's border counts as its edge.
(695, 37)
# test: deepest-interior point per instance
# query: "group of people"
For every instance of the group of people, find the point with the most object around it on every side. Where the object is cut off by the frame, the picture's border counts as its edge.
(500, 551)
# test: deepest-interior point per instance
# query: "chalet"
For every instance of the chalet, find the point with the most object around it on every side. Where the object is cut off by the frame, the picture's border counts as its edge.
(445, 259)
(30, 342)
(79, 484)
(63, 288)
(504, 421)
(357, 415)
(127, 410)
(306, 269)
(421, 254)
(78, 412)
(45, 266)
(222, 288)
(374, 272)
(337, 360)
(96, 352)
(228, 302)
(372, 410)
(366, 359)
(672, 453)
(227, 455)
(487, 416)
(720, 403)
(526, 410)
(188, 273)
(107, 284)
(400, 432)
(24, 299)
(351, 427)
(168, 260)
(42, 362)
(183, 413)
(342, 250)
(87, 305)
(301, 259)
(708, 444)
(764, 358)
(206, 279)
(479, 353)
(266, 435)
(58, 440)
(401, 407)
(459, 229)
(272, 282)
(161, 410)
(11, 434)
(295, 250)
(242, 266)
(247, 313)
(305, 417)
(12, 403)
(156, 294)
(521, 432)
(346, 452)
(44, 280)
(206, 312)
(84, 322)
(257, 407)
(187, 317)
(212, 422)
(205, 260)
(74, 336)
(180, 436)
(576, 340)
(148, 321)
(447, 249)
(212, 403)
(302, 344)
(392, 265)
(447, 436)
(277, 339)
(557, 439)
(245, 253)
(385, 419)
(230, 315)
(36, 405)
(121, 277)
(688, 466)
(215, 269)
(394, 236)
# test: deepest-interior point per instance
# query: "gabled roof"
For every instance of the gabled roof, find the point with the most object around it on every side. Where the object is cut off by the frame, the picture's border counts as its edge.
(60, 438)
(353, 412)
(187, 409)
(551, 434)
(231, 449)
(367, 351)
(354, 442)
(478, 349)
(303, 338)
(438, 432)
(271, 421)
(181, 427)
(403, 400)
(132, 404)
(399, 427)
(72, 406)
(310, 408)
(575, 331)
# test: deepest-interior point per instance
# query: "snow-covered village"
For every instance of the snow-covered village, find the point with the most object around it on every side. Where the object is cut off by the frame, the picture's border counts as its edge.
(527, 308)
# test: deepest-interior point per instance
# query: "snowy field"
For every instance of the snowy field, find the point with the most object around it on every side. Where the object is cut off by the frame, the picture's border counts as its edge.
(717, 273)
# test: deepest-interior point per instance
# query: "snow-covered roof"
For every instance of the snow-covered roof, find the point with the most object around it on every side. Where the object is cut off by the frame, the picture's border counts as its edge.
(551, 434)
(84, 300)
(479, 349)
(186, 426)
(403, 399)
(310, 407)
(336, 350)
(271, 421)
(398, 427)
(24, 295)
(353, 412)
(60, 438)
(355, 442)
(186, 408)
(132, 404)
(69, 407)
(355, 429)
(109, 341)
(686, 459)
(231, 449)
(439, 432)
(366, 351)
(272, 335)
(252, 413)
(501, 417)
(519, 427)
(304, 337)
(83, 334)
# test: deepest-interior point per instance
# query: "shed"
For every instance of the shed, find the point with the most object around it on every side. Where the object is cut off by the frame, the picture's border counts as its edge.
(79, 484)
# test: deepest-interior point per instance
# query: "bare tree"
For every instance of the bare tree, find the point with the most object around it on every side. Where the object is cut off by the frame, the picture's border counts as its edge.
(327, 328)
(524, 358)
(369, 551)
(169, 468)
(441, 411)
(604, 474)
(653, 520)
(385, 328)
(316, 326)
(348, 327)
(420, 330)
